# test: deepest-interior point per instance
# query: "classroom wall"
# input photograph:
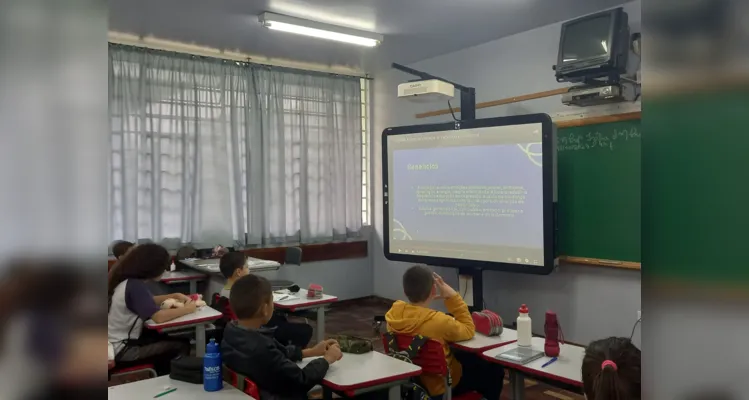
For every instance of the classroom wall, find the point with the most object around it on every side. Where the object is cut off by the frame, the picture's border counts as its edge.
(591, 302)
(347, 279)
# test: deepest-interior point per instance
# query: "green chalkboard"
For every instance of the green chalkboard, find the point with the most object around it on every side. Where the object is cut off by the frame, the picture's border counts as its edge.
(599, 205)
(696, 213)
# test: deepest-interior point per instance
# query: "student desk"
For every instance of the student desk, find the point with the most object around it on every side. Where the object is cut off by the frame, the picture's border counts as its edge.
(566, 370)
(199, 319)
(172, 277)
(210, 265)
(147, 389)
(481, 343)
(300, 302)
(356, 374)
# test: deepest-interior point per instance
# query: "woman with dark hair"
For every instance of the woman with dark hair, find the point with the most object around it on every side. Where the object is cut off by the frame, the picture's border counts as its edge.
(611, 370)
(130, 304)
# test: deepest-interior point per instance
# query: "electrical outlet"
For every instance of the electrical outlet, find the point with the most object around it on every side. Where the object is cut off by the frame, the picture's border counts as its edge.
(639, 315)
(465, 287)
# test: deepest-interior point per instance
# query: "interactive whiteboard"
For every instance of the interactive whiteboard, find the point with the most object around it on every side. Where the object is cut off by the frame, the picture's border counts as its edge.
(471, 194)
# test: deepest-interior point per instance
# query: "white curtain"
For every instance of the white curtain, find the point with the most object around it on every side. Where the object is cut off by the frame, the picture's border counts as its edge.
(308, 163)
(209, 152)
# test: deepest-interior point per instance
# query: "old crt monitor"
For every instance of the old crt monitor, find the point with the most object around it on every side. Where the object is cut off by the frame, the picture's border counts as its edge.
(474, 194)
(593, 46)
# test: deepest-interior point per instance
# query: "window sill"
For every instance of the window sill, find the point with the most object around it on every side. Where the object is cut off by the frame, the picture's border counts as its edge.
(314, 252)
(310, 252)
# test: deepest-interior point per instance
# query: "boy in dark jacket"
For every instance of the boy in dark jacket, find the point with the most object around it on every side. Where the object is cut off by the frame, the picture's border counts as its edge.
(233, 266)
(251, 350)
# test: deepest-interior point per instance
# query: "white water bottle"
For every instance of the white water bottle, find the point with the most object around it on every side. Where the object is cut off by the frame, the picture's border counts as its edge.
(525, 333)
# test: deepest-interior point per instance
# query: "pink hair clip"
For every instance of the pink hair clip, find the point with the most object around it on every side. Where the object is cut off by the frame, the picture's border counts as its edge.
(608, 363)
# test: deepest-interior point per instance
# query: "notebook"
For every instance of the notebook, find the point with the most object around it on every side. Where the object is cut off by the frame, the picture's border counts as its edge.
(520, 355)
(280, 297)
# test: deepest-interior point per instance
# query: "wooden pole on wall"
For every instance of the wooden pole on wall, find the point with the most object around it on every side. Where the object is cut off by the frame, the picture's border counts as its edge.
(500, 102)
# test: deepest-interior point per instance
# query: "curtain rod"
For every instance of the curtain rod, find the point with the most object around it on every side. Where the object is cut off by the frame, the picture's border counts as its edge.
(152, 42)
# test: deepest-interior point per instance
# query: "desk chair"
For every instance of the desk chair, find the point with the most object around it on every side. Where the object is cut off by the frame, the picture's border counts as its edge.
(133, 372)
(241, 382)
(221, 304)
(293, 257)
(114, 372)
(431, 359)
(185, 252)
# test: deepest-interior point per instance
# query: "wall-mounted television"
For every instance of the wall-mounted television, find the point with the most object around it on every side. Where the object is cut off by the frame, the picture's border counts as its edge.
(479, 194)
(594, 46)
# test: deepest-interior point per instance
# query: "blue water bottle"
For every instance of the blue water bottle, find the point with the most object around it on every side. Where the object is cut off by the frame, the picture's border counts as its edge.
(212, 376)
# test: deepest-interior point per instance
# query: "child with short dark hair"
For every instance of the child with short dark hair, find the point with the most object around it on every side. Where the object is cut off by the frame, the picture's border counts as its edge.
(250, 349)
(120, 248)
(468, 371)
(611, 370)
(233, 266)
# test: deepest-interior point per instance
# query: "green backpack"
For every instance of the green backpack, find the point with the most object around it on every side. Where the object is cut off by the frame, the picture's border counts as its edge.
(353, 344)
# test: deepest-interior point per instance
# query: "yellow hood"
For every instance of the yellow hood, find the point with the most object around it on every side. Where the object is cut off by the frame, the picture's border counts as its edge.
(407, 318)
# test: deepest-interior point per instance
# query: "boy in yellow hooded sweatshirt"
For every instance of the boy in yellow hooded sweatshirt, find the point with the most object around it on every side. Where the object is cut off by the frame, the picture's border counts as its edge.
(468, 371)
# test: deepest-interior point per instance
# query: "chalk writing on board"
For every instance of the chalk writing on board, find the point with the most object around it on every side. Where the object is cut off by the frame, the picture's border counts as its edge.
(597, 140)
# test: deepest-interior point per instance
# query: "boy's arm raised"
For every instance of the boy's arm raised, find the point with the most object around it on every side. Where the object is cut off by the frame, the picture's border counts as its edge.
(461, 326)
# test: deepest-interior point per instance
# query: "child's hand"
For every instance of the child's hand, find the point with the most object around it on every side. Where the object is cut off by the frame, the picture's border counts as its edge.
(181, 297)
(320, 348)
(191, 307)
(445, 290)
(333, 354)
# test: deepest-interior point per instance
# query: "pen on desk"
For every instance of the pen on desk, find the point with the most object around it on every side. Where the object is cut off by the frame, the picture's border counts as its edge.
(549, 362)
(164, 393)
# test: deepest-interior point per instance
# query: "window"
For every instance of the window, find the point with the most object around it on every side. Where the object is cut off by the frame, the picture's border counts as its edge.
(365, 200)
(213, 152)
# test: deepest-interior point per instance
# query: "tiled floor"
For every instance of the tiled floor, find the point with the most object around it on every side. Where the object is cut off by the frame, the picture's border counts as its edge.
(356, 317)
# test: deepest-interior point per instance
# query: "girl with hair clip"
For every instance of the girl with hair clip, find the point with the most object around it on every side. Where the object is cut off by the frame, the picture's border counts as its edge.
(611, 370)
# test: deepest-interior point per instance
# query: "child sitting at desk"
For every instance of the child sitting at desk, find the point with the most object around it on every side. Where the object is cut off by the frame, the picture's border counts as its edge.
(468, 371)
(233, 266)
(611, 370)
(250, 349)
(131, 304)
(120, 248)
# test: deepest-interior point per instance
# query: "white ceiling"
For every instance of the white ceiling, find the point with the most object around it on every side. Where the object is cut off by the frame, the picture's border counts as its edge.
(414, 30)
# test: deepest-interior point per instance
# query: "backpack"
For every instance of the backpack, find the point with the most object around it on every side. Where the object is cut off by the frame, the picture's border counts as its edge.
(411, 390)
(353, 344)
(221, 304)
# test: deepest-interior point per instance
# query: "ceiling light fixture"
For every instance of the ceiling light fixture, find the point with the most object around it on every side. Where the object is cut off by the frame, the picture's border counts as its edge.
(319, 30)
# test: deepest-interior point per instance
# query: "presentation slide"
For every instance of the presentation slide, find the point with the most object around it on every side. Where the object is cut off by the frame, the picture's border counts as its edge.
(474, 194)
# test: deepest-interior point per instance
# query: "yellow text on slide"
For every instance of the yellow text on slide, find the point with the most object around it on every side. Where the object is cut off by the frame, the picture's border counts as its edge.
(423, 167)
(471, 201)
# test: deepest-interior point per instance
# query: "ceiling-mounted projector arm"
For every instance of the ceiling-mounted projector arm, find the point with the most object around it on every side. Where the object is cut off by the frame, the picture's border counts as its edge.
(467, 94)
(424, 75)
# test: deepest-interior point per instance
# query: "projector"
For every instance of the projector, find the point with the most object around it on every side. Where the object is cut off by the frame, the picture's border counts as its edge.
(428, 90)
(584, 96)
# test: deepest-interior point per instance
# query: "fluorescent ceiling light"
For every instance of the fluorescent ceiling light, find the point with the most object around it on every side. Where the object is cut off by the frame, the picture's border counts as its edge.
(322, 34)
(319, 30)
